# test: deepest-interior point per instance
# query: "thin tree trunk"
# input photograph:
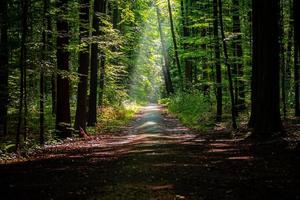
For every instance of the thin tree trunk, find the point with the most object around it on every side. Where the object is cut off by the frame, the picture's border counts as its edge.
(175, 44)
(282, 60)
(43, 66)
(238, 53)
(63, 117)
(23, 58)
(231, 89)
(3, 66)
(289, 48)
(205, 66)
(217, 61)
(83, 70)
(166, 66)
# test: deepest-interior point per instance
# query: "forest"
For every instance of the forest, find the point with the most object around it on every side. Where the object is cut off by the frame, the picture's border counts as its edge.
(150, 99)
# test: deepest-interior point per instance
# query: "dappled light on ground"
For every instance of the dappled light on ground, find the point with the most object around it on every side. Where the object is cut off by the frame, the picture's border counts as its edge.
(155, 165)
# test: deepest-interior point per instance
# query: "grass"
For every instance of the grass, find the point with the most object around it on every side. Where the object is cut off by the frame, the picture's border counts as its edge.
(112, 118)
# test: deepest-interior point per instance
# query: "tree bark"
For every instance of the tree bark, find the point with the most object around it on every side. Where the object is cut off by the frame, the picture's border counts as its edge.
(3, 66)
(217, 61)
(83, 70)
(266, 69)
(63, 117)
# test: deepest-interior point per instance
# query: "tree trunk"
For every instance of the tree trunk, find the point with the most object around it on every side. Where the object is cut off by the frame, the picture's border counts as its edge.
(83, 70)
(233, 110)
(205, 66)
(23, 58)
(92, 118)
(282, 60)
(266, 69)
(63, 118)
(296, 54)
(166, 66)
(217, 61)
(3, 66)
(42, 75)
(238, 53)
(175, 44)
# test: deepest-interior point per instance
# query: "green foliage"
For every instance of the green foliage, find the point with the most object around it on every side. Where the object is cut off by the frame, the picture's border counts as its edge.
(193, 109)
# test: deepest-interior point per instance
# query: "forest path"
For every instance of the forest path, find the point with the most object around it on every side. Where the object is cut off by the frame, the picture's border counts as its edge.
(153, 119)
(154, 158)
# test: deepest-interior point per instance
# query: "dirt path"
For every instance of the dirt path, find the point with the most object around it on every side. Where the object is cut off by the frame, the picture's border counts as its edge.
(156, 158)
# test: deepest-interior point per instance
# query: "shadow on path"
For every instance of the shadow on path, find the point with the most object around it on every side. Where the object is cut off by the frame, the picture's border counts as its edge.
(156, 158)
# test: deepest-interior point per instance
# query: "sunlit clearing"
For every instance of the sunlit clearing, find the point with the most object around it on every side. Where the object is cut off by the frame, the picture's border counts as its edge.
(146, 80)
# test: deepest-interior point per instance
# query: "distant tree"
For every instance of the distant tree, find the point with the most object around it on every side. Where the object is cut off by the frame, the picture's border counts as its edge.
(166, 64)
(265, 117)
(238, 56)
(177, 61)
(229, 74)
(63, 116)
(3, 66)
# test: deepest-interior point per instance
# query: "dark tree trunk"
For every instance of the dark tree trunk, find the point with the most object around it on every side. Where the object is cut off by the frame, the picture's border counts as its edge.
(63, 118)
(205, 66)
(3, 66)
(166, 66)
(99, 7)
(238, 54)
(233, 110)
(175, 44)
(217, 61)
(266, 69)
(83, 70)
(296, 54)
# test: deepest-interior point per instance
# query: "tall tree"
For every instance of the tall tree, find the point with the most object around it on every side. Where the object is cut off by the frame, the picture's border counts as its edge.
(23, 58)
(166, 64)
(266, 69)
(45, 38)
(3, 66)
(296, 55)
(83, 70)
(219, 94)
(63, 117)
(177, 61)
(238, 56)
(99, 7)
(231, 92)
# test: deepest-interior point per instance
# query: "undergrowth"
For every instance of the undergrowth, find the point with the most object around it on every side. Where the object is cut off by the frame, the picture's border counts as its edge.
(112, 118)
(194, 110)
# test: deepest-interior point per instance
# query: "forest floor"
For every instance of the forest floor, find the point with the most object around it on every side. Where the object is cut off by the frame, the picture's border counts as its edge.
(155, 157)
